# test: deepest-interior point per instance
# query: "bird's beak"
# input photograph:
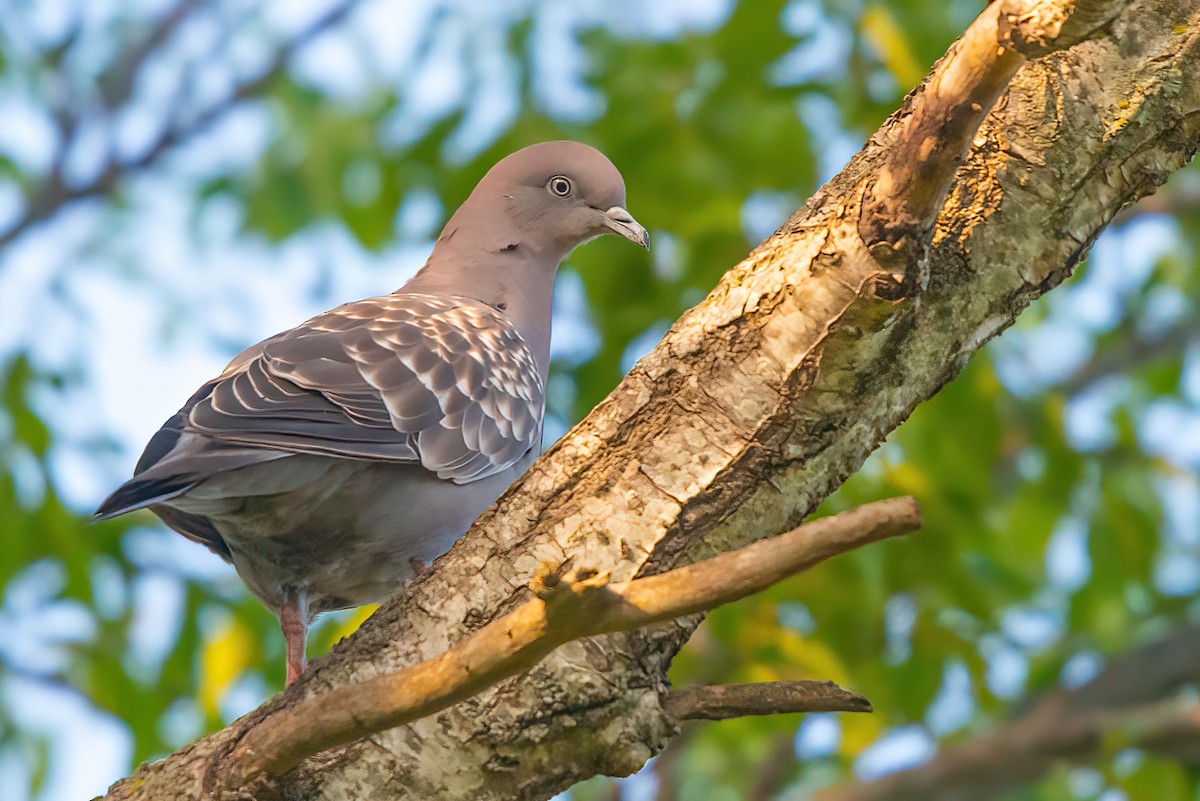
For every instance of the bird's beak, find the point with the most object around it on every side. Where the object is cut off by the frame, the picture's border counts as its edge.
(622, 222)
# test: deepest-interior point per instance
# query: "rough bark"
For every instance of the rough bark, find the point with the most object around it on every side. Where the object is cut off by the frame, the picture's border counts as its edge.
(757, 404)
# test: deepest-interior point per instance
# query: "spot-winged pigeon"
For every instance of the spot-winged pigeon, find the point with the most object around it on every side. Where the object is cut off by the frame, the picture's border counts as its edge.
(330, 460)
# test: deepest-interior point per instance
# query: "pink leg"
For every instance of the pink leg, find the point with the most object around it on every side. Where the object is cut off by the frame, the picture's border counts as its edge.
(293, 619)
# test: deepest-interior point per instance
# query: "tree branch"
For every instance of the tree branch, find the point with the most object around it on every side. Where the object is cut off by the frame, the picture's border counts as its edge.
(724, 701)
(931, 141)
(1126, 705)
(1133, 353)
(117, 83)
(53, 194)
(570, 605)
(773, 769)
(935, 129)
(1178, 199)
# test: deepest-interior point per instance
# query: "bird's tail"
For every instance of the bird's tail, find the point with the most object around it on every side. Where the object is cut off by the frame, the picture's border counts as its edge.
(138, 493)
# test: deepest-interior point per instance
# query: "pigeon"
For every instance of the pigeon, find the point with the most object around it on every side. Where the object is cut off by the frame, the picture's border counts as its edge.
(331, 462)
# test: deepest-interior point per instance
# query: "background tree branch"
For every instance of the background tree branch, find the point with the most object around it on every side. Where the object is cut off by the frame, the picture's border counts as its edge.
(56, 192)
(1134, 351)
(1129, 704)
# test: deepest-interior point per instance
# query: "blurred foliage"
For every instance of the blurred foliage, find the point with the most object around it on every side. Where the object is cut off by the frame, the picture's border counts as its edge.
(1044, 549)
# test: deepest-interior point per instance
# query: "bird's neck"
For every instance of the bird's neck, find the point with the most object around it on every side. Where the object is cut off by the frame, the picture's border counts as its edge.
(515, 280)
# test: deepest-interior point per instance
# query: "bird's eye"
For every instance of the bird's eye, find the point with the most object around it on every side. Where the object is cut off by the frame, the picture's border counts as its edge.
(559, 185)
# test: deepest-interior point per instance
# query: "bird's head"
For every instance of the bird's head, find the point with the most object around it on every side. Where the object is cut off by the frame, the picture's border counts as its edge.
(551, 197)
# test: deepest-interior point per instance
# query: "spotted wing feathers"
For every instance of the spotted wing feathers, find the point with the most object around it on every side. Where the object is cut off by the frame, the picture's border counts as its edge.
(405, 377)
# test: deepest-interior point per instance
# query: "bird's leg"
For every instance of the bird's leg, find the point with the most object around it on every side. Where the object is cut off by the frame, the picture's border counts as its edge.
(293, 619)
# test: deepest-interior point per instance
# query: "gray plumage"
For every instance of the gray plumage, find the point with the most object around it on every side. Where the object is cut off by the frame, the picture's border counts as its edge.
(328, 460)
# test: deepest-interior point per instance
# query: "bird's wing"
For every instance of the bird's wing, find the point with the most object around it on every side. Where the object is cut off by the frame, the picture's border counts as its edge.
(448, 382)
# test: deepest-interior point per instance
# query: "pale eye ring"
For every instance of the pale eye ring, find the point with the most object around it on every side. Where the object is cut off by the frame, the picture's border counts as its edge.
(560, 186)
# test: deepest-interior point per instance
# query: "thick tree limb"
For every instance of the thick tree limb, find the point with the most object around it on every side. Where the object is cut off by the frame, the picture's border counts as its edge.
(1127, 705)
(571, 606)
(755, 406)
(724, 701)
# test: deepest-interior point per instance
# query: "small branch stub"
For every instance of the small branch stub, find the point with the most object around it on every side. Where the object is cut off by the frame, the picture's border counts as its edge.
(1036, 28)
(725, 701)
